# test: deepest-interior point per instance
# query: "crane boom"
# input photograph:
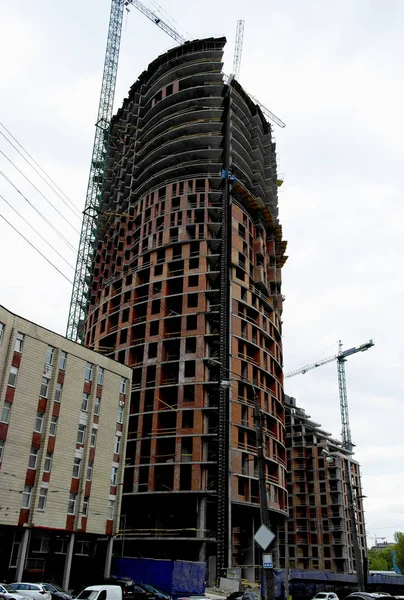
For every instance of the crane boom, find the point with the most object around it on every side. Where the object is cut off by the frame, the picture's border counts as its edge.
(156, 20)
(238, 49)
(343, 396)
(82, 276)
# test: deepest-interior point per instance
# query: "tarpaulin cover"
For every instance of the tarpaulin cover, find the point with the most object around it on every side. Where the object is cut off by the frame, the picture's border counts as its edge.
(173, 577)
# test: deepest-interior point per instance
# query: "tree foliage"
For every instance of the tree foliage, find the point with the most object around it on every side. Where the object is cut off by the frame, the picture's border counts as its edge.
(399, 548)
(380, 560)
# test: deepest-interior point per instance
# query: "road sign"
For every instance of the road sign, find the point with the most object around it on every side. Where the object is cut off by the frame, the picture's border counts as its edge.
(267, 561)
(264, 537)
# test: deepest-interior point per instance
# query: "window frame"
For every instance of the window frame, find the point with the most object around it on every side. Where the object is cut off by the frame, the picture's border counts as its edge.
(117, 444)
(71, 506)
(26, 493)
(114, 476)
(2, 444)
(50, 350)
(44, 391)
(53, 425)
(123, 385)
(111, 509)
(42, 498)
(84, 402)
(2, 328)
(47, 467)
(62, 360)
(33, 454)
(39, 417)
(81, 429)
(97, 406)
(58, 392)
(6, 407)
(120, 414)
(90, 467)
(93, 438)
(13, 371)
(100, 376)
(88, 376)
(19, 342)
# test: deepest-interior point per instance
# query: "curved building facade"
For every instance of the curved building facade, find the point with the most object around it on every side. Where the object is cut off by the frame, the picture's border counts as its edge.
(186, 290)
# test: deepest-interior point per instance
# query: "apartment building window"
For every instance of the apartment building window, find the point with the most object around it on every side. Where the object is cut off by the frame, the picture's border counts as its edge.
(58, 392)
(19, 342)
(12, 376)
(43, 495)
(33, 457)
(62, 362)
(89, 372)
(1, 450)
(26, 497)
(117, 447)
(38, 422)
(81, 434)
(93, 440)
(97, 406)
(119, 416)
(90, 471)
(122, 388)
(111, 509)
(5, 413)
(114, 475)
(84, 512)
(100, 379)
(49, 356)
(44, 387)
(48, 462)
(1, 332)
(84, 402)
(71, 508)
(53, 426)
(76, 468)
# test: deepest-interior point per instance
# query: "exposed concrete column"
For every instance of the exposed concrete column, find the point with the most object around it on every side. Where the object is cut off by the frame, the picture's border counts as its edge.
(68, 563)
(201, 527)
(108, 557)
(22, 555)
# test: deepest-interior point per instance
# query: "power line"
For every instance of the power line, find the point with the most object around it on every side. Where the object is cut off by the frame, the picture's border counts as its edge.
(33, 228)
(35, 248)
(39, 192)
(39, 166)
(38, 212)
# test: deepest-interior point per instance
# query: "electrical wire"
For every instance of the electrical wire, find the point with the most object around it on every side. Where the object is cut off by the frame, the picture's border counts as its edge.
(39, 192)
(78, 213)
(38, 212)
(35, 248)
(33, 228)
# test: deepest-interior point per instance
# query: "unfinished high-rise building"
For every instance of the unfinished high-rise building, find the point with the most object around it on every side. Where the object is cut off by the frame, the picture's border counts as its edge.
(319, 534)
(186, 289)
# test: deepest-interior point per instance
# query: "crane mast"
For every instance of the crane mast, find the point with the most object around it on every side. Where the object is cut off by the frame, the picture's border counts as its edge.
(82, 276)
(81, 282)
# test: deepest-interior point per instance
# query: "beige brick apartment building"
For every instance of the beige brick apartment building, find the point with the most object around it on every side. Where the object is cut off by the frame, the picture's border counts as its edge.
(63, 425)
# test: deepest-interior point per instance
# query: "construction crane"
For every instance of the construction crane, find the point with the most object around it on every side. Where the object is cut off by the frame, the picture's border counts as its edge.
(341, 359)
(346, 443)
(82, 277)
(238, 49)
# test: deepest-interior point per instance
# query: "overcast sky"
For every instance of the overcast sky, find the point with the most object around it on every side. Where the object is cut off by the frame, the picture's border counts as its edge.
(331, 71)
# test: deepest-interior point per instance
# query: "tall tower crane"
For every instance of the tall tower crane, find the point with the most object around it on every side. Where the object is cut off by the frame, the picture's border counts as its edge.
(343, 397)
(347, 444)
(82, 276)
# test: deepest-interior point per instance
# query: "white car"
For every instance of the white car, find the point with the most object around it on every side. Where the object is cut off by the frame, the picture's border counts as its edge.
(325, 596)
(32, 590)
(9, 593)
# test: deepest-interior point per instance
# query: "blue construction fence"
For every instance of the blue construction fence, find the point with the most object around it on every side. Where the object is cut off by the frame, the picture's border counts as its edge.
(173, 577)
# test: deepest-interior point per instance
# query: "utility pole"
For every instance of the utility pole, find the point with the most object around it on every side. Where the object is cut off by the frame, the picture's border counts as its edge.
(269, 587)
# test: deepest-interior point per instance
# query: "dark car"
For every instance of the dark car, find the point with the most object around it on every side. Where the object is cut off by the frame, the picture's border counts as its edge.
(126, 584)
(157, 593)
(367, 596)
(57, 592)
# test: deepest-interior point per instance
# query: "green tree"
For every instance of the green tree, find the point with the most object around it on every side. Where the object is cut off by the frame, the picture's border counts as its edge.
(377, 560)
(399, 548)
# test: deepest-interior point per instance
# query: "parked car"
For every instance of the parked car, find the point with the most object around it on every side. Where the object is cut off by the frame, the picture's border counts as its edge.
(32, 590)
(101, 592)
(56, 592)
(126, 584)
(325, 596)
(366, 595)
(157, 593)
(9, 593)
